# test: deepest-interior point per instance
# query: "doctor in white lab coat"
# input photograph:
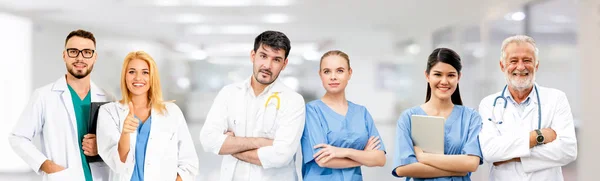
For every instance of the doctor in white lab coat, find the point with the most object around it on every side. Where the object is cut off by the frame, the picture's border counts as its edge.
(512, 140)
(256, 124)
(141, 137)
(51, 117)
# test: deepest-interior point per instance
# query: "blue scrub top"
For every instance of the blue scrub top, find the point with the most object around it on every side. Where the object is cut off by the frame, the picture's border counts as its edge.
(323, 125)
(140, 149)
(461, 138)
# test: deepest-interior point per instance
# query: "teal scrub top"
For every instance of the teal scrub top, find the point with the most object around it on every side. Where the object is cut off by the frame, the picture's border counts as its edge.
(82, 114)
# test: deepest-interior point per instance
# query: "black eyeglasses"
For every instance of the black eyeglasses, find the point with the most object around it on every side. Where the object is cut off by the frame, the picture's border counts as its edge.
(74, 52)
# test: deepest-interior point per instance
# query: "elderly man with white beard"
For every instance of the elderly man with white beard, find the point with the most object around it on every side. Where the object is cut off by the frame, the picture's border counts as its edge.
(527, 131)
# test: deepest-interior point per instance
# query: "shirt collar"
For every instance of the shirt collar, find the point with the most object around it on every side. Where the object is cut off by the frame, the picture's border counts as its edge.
(527, 100)
(276, 86)
(61, 85)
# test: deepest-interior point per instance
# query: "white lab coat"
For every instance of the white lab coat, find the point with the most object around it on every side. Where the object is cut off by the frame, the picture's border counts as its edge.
(511, 138)
(170, 149)
(49, 114)
(228, 112)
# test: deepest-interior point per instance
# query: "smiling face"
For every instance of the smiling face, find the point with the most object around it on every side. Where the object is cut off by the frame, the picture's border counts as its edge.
(79, 56)
(137, 77)
(443, 80)
(519, 65)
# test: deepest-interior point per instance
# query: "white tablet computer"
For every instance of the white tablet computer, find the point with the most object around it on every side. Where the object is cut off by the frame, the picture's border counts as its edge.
(427, 132)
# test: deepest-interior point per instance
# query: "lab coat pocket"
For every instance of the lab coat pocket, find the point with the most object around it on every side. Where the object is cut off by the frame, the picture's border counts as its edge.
(505, 128)
(99, 170)
(61, 175)
(231, 124)
(268, 120)
(165, 138)
(164, 142)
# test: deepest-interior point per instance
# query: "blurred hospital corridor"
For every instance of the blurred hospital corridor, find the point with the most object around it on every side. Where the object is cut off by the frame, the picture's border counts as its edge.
(200, 46)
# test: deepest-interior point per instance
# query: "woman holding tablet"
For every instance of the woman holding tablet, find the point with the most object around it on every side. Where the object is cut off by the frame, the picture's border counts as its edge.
(462, 154)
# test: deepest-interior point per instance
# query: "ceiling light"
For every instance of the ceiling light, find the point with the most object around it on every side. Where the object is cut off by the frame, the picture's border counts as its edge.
(167, 2)
(185, 47)
(198, 55)
(200, 29)
(239, 29)
(183, 83)
(518, 16)
(189, 18)
(413, 49)
(311, 55)
(223, 3)
(277, 2)
(276, 18)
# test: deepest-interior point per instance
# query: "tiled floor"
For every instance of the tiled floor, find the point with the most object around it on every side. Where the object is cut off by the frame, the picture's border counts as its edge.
(210, 164)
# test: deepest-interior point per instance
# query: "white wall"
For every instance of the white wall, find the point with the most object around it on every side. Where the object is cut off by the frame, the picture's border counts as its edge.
(15, 75)
(589, 42)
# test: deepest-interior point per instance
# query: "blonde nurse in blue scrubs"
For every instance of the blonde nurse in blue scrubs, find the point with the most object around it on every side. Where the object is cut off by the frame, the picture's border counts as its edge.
(339, 135)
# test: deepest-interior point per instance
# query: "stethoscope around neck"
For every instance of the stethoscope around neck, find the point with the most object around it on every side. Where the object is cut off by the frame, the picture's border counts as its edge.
(537, 93)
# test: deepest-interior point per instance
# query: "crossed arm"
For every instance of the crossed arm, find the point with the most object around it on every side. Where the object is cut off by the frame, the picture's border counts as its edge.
(244, 148)
(559, 148)
(431, 165)
(418, 164)
(334, 157)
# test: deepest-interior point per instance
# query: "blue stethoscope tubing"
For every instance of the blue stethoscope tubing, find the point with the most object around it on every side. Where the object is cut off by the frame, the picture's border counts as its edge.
(537, 93)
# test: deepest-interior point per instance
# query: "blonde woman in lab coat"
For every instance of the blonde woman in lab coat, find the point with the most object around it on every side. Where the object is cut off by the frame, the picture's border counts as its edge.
(141, 137)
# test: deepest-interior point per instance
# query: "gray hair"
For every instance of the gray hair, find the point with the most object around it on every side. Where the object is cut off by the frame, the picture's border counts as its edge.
(519, 39)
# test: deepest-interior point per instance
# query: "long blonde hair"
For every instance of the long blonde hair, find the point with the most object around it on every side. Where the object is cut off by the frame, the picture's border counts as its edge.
(155, 93)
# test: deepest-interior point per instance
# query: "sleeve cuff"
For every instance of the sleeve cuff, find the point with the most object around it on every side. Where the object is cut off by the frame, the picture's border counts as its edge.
(37, 162)
(526, 162)
(524, 149)
(402, 162)
(124, 167)
(217, 144)
(474, 153)
(184, 175)
(264, 153)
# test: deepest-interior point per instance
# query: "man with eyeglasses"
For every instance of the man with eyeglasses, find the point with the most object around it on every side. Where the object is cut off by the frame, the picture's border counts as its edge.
(58, 114)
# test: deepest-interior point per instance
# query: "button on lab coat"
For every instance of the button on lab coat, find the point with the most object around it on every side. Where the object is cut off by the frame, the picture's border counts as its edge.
(170, 150)
(510, 139)
(49, 115)
(228, 113)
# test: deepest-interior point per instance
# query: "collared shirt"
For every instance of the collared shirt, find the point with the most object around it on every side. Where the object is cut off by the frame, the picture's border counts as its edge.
(520, 106)
(237, 109)
(243, 169)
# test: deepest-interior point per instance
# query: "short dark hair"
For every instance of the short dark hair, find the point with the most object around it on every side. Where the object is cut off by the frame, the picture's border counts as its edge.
(81, 33)
(274, 39)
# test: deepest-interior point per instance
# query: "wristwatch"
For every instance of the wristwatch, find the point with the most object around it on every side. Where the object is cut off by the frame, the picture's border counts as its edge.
(540, 138)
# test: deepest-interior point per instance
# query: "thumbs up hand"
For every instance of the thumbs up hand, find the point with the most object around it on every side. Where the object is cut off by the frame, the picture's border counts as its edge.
(131, 123)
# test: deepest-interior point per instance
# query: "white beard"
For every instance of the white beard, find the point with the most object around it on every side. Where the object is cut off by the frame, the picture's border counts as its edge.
(520, 84)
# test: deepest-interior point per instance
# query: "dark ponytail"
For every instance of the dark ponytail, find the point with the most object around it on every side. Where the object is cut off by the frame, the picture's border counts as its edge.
(448, 56)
